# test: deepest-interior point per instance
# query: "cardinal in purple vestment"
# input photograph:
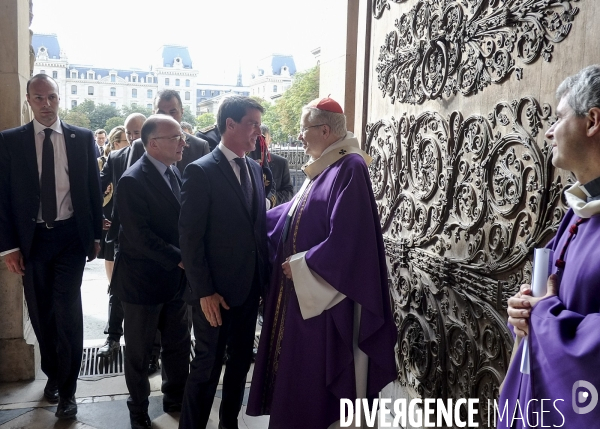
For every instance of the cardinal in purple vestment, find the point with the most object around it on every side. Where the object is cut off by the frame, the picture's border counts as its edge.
(328, 331)
(562, 328)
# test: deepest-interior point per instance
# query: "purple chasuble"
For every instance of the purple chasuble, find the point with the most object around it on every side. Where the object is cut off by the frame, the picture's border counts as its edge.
(304, 367)
(564, 342)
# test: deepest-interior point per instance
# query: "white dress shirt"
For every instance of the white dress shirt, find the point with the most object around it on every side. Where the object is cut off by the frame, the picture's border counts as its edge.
(64, 205)
(231, 156)
(162, 168)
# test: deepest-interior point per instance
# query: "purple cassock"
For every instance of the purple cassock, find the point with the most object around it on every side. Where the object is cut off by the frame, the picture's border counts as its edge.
(564, 335)
(305, 366)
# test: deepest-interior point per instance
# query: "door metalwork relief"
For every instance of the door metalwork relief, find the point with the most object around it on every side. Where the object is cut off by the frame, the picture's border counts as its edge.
(462, 203)
(442, 48)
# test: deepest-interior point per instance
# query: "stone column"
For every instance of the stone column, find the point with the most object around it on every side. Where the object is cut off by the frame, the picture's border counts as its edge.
(17, 355)
(338, 55)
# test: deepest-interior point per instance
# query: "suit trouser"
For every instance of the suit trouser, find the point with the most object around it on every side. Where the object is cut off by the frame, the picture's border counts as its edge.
(141, 323)
(237, 333)
(52, 286)
(114, 325)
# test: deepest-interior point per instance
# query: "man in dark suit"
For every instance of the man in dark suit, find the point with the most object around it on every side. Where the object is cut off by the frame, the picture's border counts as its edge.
(284, 190)
(211, 134)
(113, 169)
(224, 248)
(50, 220)
(100, 136)
(148, 276)
(168, 102)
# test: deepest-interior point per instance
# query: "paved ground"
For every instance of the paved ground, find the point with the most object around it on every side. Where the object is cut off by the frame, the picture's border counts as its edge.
(102, 399)
(94, 299)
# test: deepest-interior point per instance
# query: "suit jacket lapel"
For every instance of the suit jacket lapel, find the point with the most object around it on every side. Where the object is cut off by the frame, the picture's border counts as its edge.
(28, 139)
(225, 167)
(158, 182)
(72, 149)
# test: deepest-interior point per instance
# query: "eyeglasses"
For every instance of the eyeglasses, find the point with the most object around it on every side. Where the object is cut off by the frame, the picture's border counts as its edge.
(305, 129)
(174, 139)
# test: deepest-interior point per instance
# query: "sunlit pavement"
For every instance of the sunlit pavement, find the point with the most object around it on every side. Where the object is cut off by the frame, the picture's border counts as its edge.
(101, 399)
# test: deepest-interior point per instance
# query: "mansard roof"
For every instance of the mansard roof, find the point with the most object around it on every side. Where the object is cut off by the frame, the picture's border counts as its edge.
(273, 65)
(122, 73)
(172, 53)
(47, 41)
(278, 62)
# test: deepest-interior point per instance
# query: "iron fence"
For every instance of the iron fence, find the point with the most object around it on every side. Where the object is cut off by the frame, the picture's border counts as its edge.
(294, 153)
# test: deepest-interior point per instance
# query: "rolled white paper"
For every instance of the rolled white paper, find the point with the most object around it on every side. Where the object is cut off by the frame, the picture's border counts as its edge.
(542, 268)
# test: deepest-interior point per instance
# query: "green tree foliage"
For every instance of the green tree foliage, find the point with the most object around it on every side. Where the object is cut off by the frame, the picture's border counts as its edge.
(87, 107)
(305, 87)
(128, 110)
(270, 119)
(76, 118)
(113, 122)
(188, 116)
(283, 118)
(97, 114)
(101, 114)
(205, 120)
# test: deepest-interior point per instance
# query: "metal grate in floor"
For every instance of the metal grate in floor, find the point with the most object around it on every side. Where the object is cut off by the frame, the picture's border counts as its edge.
(93, 365)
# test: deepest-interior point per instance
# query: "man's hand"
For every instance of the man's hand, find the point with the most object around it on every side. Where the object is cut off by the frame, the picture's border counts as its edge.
(14, 262)
(180, 265)
(211, 310)
(521, 304)
(287, 269)
(105, 224)
(96, 251)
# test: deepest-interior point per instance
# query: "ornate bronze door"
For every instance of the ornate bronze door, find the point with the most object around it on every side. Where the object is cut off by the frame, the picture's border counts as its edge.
(457, 96)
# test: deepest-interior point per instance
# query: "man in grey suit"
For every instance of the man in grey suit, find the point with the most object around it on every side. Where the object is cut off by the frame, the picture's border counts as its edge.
(50, 220)
(168, 102)
(223, 243)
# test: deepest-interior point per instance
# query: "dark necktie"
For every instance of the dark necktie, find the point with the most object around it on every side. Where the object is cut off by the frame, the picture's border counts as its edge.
(245, 181)
(48, 180)
(174, 183)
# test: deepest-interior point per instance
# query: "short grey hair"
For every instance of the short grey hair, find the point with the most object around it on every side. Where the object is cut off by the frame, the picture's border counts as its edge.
(582, 90)
(264, 130)
(336, 121)
(186, 125)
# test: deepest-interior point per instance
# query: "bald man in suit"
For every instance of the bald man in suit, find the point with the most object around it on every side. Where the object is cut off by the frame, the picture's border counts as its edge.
(50, 220)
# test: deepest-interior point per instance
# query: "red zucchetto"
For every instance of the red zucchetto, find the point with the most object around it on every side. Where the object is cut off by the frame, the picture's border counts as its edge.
(327, 104)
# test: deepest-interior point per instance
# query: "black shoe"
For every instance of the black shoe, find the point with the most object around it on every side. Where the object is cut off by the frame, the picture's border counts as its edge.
(109, 347)
(51, 391)
(172, 407)
(153, 365)
(140, 421)
(67, 408)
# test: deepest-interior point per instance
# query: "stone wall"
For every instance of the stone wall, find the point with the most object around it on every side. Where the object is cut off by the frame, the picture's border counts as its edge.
(17, 357)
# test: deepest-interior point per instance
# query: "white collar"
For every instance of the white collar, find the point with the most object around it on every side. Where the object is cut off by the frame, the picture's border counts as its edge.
(38, 127)
(229, 154)
(577, 200)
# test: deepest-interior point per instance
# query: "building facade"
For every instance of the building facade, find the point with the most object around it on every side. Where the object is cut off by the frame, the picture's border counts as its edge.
(173, 69)
(272, 76)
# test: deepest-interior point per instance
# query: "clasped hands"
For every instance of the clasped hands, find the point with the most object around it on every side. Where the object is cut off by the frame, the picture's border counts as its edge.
(521, 304)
